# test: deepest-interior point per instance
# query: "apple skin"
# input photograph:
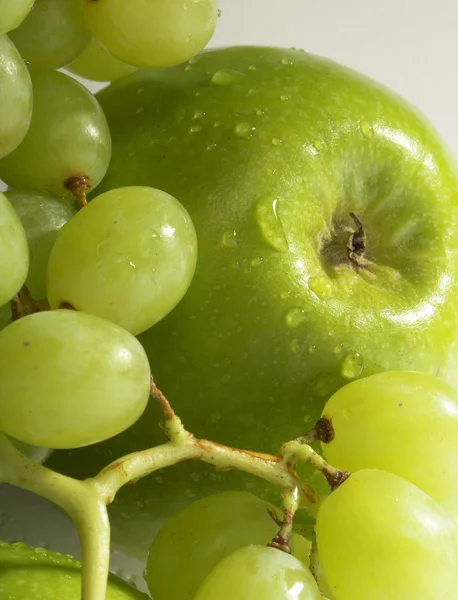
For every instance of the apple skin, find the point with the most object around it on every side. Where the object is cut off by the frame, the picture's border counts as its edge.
(37, 574)
(270, 150)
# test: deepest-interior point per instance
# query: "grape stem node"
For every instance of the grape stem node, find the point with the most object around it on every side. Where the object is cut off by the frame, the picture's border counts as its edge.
(86, 501)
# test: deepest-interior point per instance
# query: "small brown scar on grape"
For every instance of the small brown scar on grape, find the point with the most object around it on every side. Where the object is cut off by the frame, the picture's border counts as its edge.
(66, 306)
(323, 431)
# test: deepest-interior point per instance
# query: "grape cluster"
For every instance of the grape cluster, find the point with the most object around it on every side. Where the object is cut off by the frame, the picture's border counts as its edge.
(78, 282)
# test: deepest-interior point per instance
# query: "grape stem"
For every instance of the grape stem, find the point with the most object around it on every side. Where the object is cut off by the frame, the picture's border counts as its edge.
(86, 501)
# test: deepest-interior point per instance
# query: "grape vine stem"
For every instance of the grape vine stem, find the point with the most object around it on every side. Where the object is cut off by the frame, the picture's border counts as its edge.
(86, 501)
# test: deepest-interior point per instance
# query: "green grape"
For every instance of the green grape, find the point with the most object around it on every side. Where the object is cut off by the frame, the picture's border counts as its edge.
(301, 548)
(36, 453)
(256, 572)
(152, 33)
(14, 253)
(97, 64)
(12, 13)
(129, 257)
(39, 574)
(68, 379)
(381, 537)
(68, 141)
(403, 422)
(196, 539)
(42, 215)
(15, 97)
(53, 34)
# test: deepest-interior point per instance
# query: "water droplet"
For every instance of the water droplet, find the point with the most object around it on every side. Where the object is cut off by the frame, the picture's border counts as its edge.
(192, 61)
(257, 261)
(318, 144)
(286, 61)
(321, 287)
(295, 346)
(211, 146)
(189, 494)
(251, 91)
(338, 349)
(225, 379)
(260, 112)
(195, 477)
(140, 109)
(284, 97)
(217, 124)
(295, 317)
(226, 77)
(269, 222)
(285, 295)
(198, 114)
(229, 239)
(251, 68)
(366, 129)
(352, 365)
(312, 349)
(195, 129)
(188, 68)
(277, 141)
(243, 130)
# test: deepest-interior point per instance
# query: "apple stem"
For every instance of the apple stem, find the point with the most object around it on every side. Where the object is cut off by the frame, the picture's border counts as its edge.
(357, 242)
(86, 501)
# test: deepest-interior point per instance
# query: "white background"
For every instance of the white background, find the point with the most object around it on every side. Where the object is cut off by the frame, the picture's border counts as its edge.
(409, 45)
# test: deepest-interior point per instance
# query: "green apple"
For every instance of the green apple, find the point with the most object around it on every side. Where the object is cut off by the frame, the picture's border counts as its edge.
(270, 151)
(37, 574)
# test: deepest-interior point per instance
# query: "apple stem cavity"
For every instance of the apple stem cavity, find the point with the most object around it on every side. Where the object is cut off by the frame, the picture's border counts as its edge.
(356, 245)
(86, 501)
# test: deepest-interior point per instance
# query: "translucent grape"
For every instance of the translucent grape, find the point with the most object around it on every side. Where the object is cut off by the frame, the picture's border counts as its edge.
(381, 537)
(39, 574)
(15, 97)
(53, 34)
(14, 253)
(403, 422)
(256, 572)
(196, 539)
(42, 215)
(152, 33)
(129, 257)
(68, 142)
(98, 64)
(68, 379)
(12, 13)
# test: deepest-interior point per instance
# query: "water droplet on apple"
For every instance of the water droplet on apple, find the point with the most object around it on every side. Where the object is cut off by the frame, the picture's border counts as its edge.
(260, 112)
(195, 129)
(211, 147)
(257, 261)
(251, 68)
(226, 77)
(251, 91)
(217, 124)
(188, 68)
(366, 129)
(277, 141)
(312, 349)
(352, 365)
(225, 379)
(229, 239)
(338, 349)
(317, 145)
(286, 61)
(269, 222)
(189, 494)
(195, 476)
(244, 130)
(321, 287)
(140, 109)
(284, 97)
(198, 114)
(295, 317)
